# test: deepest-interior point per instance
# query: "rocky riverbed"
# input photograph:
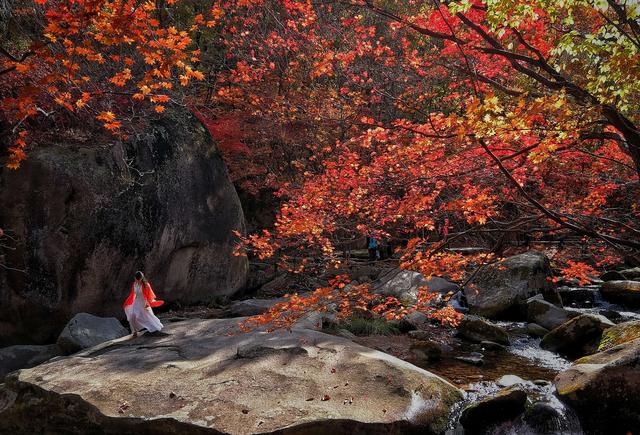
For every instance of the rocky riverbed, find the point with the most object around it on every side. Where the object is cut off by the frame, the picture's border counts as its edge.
(546, 361)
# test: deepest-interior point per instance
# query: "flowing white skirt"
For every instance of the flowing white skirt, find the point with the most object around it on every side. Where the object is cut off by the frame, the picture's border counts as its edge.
(140, 317)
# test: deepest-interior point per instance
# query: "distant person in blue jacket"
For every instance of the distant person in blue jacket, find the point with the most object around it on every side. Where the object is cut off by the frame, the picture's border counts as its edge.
(373, 249)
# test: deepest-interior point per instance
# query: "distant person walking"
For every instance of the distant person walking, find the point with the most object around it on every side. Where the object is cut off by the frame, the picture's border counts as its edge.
(373, 249)
(138, 306)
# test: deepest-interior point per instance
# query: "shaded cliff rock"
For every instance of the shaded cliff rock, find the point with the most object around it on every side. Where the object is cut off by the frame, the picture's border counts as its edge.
(196, 378)
(87, 211)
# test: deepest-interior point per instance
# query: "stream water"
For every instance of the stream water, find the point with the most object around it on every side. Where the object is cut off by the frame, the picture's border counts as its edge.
(523, 359)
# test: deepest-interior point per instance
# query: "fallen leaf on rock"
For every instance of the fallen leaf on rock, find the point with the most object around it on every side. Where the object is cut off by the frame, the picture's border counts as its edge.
(309, 399)
(123, 407)
(245, 411)
(325, 398)
(333, 370)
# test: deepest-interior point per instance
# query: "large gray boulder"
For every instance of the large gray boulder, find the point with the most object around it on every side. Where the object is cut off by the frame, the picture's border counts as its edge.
(25, 356)
(578, 337)
(498, 289)
(546, 314)
(205, 377)
(622, 292)
(604, 388)
(86, 330)
(87, 211)
(404, 285)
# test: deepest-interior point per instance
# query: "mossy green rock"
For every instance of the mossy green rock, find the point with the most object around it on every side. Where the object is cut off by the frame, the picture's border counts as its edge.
(619, 334)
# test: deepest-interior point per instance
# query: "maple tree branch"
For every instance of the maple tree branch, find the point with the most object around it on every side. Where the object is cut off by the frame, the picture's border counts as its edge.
(551, 214)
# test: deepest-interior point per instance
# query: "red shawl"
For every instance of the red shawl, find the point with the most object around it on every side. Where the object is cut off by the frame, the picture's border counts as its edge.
(148, 294)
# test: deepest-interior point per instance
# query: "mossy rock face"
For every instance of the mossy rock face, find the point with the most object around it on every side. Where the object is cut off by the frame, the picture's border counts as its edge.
(603, 389)
(619, 334)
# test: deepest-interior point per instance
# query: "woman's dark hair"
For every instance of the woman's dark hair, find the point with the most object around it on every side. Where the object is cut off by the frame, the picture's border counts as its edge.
(140, 275)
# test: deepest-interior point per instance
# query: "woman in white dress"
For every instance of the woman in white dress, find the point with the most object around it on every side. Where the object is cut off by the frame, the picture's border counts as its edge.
(138, 306)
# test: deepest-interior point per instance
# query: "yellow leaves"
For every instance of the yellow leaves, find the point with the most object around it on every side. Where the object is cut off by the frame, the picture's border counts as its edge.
(110, 122)
(159, 98)
(159, 109)
(82, 101)
(113, 125)
(217, 12)
(121, 78)
(106, 116)
(197, 75)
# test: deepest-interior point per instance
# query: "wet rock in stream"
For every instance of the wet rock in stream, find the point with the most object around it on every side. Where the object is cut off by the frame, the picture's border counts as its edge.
(604, 388)
(546, 314)
(578, 337)
(477, 329)
(504, 405)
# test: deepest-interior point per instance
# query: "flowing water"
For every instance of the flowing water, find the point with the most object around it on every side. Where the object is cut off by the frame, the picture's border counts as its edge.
(524, 358)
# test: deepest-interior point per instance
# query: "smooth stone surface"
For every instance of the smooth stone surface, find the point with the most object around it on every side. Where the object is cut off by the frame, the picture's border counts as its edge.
(625, 293)
(404, 285)
(546, 314)
(492, 345)
(604, 389)
(86, 330)
(25, 356)
(252, 307)
(504, 405)
(292, 382)
(510, 380)
(535, 330)
(497, 290)
(475, 359)
(477, 329)
(578, 337)
(427, 350)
